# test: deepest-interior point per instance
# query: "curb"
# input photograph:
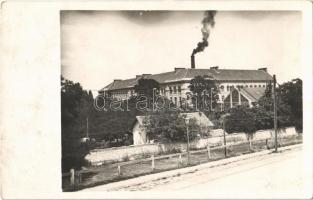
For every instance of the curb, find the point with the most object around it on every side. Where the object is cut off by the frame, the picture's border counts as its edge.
(181, 171)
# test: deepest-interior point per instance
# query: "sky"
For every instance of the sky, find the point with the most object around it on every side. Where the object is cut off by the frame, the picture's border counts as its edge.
(99, 46)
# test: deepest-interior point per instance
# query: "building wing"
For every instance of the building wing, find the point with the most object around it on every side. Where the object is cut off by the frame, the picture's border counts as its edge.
(185, 74)
(253, 93)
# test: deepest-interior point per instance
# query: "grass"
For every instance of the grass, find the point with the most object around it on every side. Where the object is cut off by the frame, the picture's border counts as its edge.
(108, 173)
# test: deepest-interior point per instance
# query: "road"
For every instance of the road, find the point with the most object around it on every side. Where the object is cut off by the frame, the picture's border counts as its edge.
(267, 176)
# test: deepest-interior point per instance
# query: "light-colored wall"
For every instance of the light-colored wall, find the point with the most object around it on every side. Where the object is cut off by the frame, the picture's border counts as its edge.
(126, 93)
(224, 92)
(218, 137)
(116, 154)
(139, 134)
(178, 95)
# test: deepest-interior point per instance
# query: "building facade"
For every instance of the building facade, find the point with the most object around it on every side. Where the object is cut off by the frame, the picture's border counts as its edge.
(174, 85)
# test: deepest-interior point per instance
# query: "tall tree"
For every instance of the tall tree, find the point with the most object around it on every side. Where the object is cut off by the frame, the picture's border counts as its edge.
(241, 119)
(146, 90)
(146, 87)
(169, 127)
(204, 92)
(290, 95)
(76, 106)
(289, 105)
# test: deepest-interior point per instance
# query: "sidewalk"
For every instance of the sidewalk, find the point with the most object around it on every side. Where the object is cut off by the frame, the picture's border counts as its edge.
(177, 172)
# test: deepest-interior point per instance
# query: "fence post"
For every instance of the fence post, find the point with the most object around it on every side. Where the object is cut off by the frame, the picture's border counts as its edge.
(180, 159)
(79, 177)
(250, 143)
(118, 170)
(224, 134)
(72, 177)
(209, 152)
(152, 162)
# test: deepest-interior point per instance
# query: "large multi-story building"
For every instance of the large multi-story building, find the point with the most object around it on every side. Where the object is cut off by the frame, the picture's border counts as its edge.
(236, 87)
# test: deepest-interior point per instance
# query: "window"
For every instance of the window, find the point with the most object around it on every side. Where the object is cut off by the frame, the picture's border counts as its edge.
(180, 102)
(260, 85)
(263, 85)
(255, 86)
(251, 86)
(174, 89)
(170, 90)
(227, 88)
(175, 100)
(171, 98)
(179, 89)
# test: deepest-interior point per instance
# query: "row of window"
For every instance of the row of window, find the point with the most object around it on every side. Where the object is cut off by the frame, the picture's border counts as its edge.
(240, 86)
(120, 92)
(119, 95)
(172, 90)
(175, 89)
(175, 100)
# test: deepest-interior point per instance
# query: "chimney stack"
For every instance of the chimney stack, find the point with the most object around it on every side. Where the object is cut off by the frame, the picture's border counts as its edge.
(193, 62)
(263, 69)
(178, 68)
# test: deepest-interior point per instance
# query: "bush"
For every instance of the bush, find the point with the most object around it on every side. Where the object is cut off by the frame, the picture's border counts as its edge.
(240, 119)
(169, 127)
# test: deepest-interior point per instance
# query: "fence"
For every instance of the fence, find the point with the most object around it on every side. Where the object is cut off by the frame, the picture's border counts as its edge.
(106, 173)
(119, 154)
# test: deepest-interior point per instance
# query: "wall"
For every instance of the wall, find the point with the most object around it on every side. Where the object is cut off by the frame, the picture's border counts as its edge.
(132, 152)
(139, 134)
(218, 139)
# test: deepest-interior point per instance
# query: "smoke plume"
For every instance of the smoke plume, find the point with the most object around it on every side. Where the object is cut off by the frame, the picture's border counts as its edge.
(208, 23)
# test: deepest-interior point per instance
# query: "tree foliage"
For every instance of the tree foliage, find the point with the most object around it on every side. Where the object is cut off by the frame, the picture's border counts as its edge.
(241, 119)
(76, 106)
(290, 95)
(260, 117)
(169, 127)
(289, 105)
(203, 90)
(146, 86)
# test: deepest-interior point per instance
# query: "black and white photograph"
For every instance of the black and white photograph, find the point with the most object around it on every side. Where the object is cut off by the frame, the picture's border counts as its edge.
(179, 100)
(156, 100)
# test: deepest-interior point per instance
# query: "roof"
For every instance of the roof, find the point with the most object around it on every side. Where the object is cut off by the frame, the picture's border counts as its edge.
(199, 116)
(253, 93)
(182, 74)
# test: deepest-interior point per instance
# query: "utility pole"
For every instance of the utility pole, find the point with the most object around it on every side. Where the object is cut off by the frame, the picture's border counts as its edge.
(275, 110)
(87, 128)
(211, 99)
(225, 149)
(188, 153)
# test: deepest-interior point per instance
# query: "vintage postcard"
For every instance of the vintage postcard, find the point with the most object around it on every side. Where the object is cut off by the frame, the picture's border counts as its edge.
(157, 100)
